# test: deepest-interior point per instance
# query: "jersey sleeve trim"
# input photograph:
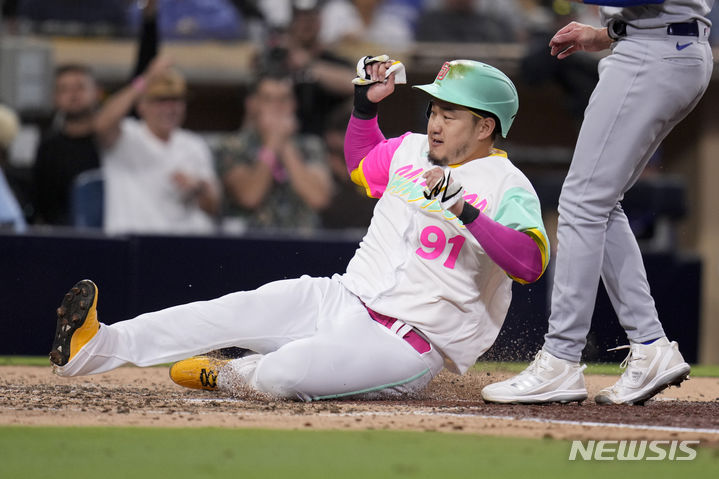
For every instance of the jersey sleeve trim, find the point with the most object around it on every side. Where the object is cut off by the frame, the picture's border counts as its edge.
(541, 240)
(539, 237)
(372, 172)
(357, 176)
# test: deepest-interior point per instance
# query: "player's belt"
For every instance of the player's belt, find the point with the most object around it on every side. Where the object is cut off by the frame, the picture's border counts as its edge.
(618, 28)
(401, 329)
(690, 29)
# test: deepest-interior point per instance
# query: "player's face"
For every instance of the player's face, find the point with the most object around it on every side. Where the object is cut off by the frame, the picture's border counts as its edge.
(75, 94)
(452, 133)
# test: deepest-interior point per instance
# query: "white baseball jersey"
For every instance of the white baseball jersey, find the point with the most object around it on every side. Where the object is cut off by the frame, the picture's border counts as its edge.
(660, 14)
(140, 195)
(420, 264)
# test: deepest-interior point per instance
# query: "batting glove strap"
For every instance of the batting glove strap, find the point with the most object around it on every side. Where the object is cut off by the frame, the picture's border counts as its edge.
(469, 213)
(363, 108)
(447, 192)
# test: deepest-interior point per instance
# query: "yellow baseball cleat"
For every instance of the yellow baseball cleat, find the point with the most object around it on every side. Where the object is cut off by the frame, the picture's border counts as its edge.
(76, 322)
(200, 372)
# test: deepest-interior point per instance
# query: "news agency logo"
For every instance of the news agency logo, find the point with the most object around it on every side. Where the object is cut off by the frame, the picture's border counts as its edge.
(633, 450)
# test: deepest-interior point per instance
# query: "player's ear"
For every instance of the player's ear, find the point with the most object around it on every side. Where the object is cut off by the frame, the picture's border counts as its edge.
(485, 128)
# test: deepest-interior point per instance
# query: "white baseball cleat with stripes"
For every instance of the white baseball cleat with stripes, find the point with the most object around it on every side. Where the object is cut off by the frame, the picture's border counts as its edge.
(547, 379)
(650, 368)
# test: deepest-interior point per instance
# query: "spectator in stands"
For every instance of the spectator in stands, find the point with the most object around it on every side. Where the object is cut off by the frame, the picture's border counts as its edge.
(322, 80)
(349, 206)
(576, 76)
(159, 178)
(273, 176)
(69, 148)
(461, 21)
(516, 12)
(10, 213)
(368, 21)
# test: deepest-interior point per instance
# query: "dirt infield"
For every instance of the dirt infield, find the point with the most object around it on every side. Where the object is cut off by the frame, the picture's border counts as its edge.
(146, 397)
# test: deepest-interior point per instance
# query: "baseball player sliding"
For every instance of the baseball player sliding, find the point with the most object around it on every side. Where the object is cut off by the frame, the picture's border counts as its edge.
(428, 286)
(659, 69)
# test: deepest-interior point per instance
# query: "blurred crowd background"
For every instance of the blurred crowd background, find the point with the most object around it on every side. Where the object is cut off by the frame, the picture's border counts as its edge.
(228, 116)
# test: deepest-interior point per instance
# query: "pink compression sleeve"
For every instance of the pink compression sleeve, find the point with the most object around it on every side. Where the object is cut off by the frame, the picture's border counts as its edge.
(513, 251)
(361, 137)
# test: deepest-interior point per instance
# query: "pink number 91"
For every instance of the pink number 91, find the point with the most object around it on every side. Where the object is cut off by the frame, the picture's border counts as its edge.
(434, 241)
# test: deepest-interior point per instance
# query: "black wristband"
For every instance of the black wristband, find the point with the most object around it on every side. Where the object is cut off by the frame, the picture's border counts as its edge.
(363, 108)
(469, 213)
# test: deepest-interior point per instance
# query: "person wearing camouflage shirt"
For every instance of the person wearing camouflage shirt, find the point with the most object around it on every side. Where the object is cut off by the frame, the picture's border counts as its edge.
(273, 176)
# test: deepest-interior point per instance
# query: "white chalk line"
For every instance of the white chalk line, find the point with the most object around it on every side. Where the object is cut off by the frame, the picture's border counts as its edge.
(204, 400)
(594, 424)
(563, 422)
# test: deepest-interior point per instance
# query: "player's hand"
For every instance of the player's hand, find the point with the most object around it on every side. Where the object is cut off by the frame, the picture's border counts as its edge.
(375, 81)
(384, 87)
(441, 185)
(577, 37)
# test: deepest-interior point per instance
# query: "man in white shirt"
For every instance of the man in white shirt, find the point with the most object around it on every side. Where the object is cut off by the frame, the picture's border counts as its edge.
(159, 178)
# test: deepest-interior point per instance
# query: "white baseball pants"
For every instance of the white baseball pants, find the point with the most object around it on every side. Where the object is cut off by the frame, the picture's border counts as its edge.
(315, 337)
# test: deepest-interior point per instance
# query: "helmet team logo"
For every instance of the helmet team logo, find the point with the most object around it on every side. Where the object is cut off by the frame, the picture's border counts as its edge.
(443, 71)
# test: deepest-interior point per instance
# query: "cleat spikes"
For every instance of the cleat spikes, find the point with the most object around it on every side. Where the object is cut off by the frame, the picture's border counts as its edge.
(76, 322)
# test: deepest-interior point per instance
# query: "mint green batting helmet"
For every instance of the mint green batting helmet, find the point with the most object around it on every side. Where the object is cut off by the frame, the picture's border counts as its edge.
(477, 86)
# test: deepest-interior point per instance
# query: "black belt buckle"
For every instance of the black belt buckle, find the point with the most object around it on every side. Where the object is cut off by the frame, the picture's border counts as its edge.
(690, 29)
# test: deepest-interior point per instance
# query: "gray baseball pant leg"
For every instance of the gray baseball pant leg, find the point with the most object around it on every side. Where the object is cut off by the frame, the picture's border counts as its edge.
(643, 92)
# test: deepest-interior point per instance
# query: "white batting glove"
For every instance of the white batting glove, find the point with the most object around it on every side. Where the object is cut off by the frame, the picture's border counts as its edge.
(446, 189)
(363, 78)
